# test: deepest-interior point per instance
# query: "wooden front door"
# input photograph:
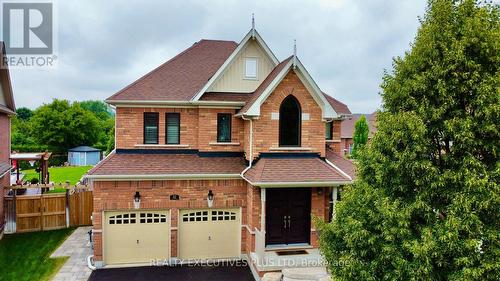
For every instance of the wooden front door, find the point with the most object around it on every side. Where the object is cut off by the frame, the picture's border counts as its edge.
(288, 215)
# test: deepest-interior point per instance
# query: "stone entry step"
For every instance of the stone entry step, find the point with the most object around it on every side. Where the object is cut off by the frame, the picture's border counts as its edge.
(298, 274)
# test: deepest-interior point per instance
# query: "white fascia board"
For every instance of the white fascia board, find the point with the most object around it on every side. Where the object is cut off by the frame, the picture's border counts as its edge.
(317, 94)
(152, 103)
(338, 169)
(254, 110)
(233, 56)
(300, 184)
(162, 177)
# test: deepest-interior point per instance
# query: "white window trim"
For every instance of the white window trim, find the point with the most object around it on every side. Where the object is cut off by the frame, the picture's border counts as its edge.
(256, 59)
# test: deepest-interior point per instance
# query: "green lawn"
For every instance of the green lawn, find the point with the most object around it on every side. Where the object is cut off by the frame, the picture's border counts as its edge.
(60, 175)
(26, 256)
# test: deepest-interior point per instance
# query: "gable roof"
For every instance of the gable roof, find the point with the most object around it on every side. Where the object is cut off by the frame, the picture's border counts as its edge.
(180, 78)
(292, 63)
(347, 125)
(251, 35)
(6, 85)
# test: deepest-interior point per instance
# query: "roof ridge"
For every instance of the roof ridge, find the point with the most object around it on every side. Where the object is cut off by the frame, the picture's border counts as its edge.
(218, 40)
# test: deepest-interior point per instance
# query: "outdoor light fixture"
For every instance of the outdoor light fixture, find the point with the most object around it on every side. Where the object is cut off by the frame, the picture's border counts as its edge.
(210, 198)
(137, 200)
(32, 163)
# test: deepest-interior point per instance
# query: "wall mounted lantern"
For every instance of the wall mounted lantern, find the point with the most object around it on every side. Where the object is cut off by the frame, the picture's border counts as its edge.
(137, 200)
(210, 198)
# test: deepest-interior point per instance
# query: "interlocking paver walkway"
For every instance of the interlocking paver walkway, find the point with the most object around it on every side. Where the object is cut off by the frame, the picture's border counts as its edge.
(77, 248)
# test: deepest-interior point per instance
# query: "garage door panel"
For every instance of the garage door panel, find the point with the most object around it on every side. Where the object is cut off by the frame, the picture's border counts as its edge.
(209, 234)
(136, 236)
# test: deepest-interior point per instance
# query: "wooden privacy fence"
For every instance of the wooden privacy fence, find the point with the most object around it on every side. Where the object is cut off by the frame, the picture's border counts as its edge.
(47, 211)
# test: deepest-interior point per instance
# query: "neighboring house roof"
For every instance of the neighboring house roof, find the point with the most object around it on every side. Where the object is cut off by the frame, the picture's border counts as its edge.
(180, 78)
(279, 170)
(84, 149)
(6, 85)
(137, 165)
(345, 165)
(347, 125)
(4, 167)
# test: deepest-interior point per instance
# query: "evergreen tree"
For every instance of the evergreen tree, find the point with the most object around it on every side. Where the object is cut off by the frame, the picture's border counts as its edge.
(360, 137)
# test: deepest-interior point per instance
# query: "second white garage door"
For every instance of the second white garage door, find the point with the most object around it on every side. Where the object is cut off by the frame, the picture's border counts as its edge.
(209, 234)
(136, 236)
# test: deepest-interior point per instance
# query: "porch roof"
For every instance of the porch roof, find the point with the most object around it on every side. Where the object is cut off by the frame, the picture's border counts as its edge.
(4, 167)
(151, 166)
(287, 170)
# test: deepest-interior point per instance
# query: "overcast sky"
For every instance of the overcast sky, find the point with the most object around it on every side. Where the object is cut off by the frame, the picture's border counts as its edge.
(106, 45)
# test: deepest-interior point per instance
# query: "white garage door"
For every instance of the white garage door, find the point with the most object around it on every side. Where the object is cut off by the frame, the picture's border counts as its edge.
(136, 236)
(209, 234)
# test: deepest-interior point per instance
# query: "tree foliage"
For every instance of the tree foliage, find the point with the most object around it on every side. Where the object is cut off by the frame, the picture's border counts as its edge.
(360, 137)
(61, 125)
(425, 205)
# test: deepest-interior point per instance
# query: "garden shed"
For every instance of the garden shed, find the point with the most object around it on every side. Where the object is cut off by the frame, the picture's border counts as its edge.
(84, 156)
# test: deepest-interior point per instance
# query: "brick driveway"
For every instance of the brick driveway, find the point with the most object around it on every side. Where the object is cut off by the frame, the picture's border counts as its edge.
(77, 248)
(177, 273)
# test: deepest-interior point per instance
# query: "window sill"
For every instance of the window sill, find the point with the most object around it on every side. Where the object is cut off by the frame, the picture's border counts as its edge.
(224, 143)
(162, 145)
(290, 148)
(328, 141)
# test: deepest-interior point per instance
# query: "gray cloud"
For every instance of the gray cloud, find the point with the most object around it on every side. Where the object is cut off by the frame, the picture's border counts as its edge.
(105, 45)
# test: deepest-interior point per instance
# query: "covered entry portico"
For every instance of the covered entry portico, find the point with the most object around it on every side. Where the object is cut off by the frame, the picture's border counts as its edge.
(292, 190)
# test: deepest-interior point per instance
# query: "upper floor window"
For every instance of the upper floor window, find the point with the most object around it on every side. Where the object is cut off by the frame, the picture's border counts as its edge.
(173, 128)
(290, 122)
(151, 127)
(224, 127)
(251, 68)
(329, 130)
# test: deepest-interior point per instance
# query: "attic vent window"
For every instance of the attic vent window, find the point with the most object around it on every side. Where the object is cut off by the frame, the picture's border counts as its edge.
(251, 68)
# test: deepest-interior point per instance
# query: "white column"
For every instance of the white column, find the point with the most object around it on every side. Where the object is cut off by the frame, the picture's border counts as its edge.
(334, 201)
(260, 235)
(263, 210)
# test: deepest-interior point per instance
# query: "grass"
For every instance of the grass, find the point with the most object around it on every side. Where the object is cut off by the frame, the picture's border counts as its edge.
(26, 256)
(60, 175)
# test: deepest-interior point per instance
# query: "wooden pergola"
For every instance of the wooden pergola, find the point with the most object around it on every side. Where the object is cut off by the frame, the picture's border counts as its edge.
(41, 157)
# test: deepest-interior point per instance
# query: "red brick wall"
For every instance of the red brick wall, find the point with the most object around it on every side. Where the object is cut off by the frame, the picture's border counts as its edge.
(207, 134)
(266, 131)
(4, 158)
(130, 129)
(4, 138)
(156, 195)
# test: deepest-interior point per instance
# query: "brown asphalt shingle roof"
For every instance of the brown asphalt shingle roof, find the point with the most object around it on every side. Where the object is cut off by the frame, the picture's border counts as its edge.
(213, 96)
(338, 106)
(156, 164)
(4, 167)
(347, 166)
(290, 169)
(180, 78)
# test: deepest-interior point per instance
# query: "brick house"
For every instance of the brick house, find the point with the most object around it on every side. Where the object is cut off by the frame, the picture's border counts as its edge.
(222, 152)
(347, 130)
(7, 110)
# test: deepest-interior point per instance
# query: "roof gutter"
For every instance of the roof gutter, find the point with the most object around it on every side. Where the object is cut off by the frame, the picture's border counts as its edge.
(162, 177)
(176, 103)
(300, 184)
(339, 170)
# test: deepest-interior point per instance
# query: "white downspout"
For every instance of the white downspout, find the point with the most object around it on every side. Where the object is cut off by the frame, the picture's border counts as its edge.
(251, 147)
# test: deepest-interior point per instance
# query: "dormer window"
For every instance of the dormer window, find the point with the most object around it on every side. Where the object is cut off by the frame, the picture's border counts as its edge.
(251, 68)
